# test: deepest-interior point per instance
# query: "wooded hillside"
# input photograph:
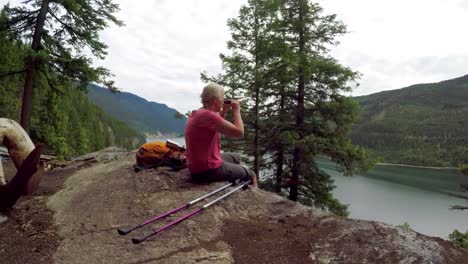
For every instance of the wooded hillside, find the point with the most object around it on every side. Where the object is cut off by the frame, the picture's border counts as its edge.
(423, 124)
(63, 117)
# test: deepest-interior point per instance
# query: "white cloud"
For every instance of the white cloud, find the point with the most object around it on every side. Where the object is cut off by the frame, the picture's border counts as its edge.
(399, 43)
(165, 45)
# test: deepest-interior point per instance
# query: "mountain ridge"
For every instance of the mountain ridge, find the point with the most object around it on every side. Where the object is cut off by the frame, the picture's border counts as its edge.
(421, 124)
(145, 116)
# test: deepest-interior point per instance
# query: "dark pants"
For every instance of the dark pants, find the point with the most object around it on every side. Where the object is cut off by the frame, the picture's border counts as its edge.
(230, 170)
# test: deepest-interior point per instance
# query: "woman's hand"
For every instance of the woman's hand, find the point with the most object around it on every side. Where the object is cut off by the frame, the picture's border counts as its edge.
(225, 108)
(235, 106)
(235, 129)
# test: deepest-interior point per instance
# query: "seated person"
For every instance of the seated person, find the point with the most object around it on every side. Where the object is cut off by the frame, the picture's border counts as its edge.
(205, 161)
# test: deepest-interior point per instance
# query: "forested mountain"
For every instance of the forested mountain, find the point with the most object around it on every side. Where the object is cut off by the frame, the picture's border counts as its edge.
(62, 116)
(69, 124)
(423, 124)
(138, 113)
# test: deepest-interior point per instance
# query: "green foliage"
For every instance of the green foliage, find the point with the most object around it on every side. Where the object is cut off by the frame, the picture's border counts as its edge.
(405, 226)
(464, 169)
(11, 57)
(423, 124)
(63, 117)
(61, 35)
(71, 125)
(70, 31)
(460, 239)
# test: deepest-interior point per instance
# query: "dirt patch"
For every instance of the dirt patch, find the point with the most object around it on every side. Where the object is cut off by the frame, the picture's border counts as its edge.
(29, 235)
(268, 240)
(329, 239)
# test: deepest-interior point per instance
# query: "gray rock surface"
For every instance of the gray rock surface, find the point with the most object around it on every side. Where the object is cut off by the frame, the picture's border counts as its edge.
(251, 226)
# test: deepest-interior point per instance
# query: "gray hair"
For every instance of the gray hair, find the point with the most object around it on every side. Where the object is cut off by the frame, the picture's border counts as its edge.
(212, 90)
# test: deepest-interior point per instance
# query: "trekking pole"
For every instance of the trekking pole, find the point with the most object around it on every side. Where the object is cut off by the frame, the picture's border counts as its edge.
(130, 229)
(138, 240)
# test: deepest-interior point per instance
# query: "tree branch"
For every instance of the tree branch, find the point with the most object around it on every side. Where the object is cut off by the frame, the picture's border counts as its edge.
(51, 85)
(12, 73)
(73, 33)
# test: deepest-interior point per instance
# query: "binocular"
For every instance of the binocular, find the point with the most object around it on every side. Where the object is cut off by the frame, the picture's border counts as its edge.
(227, 101)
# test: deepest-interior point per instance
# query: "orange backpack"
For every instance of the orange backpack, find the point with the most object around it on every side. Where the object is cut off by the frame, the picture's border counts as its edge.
(156, 154)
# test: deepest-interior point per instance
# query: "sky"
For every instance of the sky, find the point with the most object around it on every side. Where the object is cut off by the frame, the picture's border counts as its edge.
(166, 44)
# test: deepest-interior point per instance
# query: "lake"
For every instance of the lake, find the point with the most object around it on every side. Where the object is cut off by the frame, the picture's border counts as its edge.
(396, 194)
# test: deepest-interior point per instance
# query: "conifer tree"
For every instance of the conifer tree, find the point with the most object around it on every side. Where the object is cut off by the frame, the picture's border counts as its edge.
(246, 68)
(323, 115)
(60, 33)
(302, 110)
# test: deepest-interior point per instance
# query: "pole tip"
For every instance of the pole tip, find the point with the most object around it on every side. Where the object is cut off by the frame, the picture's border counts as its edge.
(138, 240)
(123, 232)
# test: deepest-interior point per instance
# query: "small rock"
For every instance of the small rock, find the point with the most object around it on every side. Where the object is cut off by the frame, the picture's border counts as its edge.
(3, 218)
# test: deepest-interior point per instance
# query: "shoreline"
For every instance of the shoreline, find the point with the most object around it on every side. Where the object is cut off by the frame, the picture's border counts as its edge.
(405, 165)
(416, 166)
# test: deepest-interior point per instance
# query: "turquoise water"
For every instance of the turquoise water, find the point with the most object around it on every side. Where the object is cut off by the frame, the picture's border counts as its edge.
(395, 195)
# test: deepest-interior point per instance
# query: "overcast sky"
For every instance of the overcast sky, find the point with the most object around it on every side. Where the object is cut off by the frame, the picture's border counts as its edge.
(165, 44)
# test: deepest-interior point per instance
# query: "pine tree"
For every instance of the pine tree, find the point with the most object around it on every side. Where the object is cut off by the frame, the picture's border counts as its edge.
(11, 57)
(60, 33)
(63, 117)
(279, 51)
(322, 114)
(249, 69)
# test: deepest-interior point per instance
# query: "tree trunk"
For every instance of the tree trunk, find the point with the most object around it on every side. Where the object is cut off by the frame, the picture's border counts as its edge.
(26, 107)
(256, 136)
(297, 158)
(279, 169)
(256, 110)
(280, 152)
(31, 68)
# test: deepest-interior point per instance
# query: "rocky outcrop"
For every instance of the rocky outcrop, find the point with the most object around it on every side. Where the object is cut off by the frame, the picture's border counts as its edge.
(252, 226)
(102, 193)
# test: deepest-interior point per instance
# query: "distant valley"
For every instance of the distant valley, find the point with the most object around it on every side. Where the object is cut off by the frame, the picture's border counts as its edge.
(423, 124)
(141, 115)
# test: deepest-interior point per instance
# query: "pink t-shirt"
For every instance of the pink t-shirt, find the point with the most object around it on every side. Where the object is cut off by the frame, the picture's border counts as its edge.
(203, 141)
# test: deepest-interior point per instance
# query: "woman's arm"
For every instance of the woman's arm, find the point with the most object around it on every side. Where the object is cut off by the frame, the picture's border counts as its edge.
(229, 129)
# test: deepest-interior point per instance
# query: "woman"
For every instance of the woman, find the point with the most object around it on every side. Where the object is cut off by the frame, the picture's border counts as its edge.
(205, 161)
